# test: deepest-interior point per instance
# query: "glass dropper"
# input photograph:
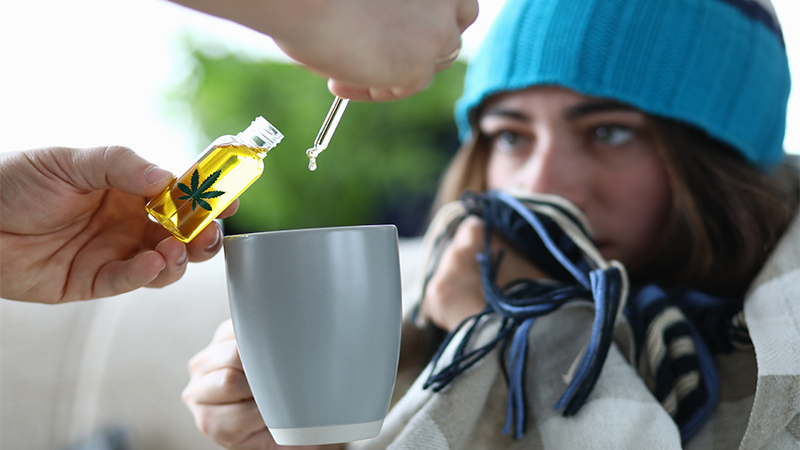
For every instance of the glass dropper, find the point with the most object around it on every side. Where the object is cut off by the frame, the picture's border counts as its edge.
(326, 131)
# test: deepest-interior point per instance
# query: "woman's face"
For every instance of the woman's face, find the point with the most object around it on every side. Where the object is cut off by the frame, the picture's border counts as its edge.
(599, 154)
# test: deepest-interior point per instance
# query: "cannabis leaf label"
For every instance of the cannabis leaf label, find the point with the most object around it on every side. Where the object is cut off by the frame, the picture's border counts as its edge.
(198, 194)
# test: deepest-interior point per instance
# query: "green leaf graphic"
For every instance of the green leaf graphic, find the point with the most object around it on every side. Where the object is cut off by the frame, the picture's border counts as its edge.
(211, 194)
(203, 204)
(185, 189)
(197, 193)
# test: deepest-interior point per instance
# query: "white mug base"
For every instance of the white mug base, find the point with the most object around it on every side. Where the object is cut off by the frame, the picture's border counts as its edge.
(332, 434)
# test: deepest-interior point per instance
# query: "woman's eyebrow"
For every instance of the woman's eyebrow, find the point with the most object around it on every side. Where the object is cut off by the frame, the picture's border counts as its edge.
(594, 107)
(507, 113)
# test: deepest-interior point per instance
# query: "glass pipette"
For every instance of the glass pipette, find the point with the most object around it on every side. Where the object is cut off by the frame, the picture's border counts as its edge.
(326, 131)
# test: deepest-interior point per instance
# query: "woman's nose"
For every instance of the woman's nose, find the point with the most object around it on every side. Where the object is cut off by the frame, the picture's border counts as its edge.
(554, 168)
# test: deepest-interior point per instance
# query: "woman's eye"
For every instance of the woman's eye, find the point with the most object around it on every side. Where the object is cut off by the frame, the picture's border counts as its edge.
(506, 141)
(612, 135)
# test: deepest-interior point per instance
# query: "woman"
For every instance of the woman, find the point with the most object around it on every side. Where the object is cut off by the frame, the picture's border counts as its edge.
(662, 121)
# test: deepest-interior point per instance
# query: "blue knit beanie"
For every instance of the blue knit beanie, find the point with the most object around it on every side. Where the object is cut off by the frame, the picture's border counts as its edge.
(719, 65)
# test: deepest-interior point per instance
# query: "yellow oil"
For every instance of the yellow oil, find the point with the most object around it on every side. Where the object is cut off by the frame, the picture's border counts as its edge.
(198, 196)
(312, 154)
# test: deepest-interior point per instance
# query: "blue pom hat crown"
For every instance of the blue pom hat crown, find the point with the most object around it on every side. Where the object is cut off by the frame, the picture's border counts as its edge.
(718, 65)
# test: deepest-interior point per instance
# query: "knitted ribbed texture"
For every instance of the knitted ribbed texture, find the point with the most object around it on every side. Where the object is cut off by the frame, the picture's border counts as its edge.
(719, 65)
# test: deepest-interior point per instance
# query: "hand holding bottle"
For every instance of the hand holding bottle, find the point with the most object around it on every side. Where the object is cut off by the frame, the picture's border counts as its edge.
(372, 50)
(73, 226)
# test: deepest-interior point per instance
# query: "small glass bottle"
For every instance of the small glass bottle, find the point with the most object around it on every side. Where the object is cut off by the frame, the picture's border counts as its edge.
(216, 178)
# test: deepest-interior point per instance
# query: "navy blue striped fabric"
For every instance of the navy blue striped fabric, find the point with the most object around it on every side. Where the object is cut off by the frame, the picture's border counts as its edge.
(755, 11)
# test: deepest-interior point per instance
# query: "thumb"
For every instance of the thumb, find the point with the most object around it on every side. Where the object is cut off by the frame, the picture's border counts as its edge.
(117, 167)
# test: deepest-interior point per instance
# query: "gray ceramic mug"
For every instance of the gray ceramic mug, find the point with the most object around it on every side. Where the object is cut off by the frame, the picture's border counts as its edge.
(317, 317)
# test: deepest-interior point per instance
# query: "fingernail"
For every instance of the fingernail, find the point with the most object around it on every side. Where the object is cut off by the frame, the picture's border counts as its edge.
(183, 258)
(450, 57)
(214, 244)
(155, 175)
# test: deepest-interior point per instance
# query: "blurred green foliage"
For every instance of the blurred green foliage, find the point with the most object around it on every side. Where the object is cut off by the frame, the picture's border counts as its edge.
(382, 165)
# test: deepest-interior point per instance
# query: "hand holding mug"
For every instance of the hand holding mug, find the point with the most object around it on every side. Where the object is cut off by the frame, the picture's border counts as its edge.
(318, 314)
(221, 401)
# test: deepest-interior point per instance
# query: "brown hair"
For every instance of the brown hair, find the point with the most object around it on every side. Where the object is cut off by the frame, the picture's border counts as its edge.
(726, 215)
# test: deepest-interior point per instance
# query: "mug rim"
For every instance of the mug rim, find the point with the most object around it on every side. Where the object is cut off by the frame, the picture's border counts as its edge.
(306, 230)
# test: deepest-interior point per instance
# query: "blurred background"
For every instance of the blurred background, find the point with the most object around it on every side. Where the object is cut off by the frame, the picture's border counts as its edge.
(165, 81)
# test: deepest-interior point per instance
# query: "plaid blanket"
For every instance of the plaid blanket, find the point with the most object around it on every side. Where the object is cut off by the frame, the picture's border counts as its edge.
(759, 387)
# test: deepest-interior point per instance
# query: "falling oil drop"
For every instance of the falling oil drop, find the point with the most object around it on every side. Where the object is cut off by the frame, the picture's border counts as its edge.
(312, 154)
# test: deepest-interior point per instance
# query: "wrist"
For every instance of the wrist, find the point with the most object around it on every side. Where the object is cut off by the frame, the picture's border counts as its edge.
(280, 19)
